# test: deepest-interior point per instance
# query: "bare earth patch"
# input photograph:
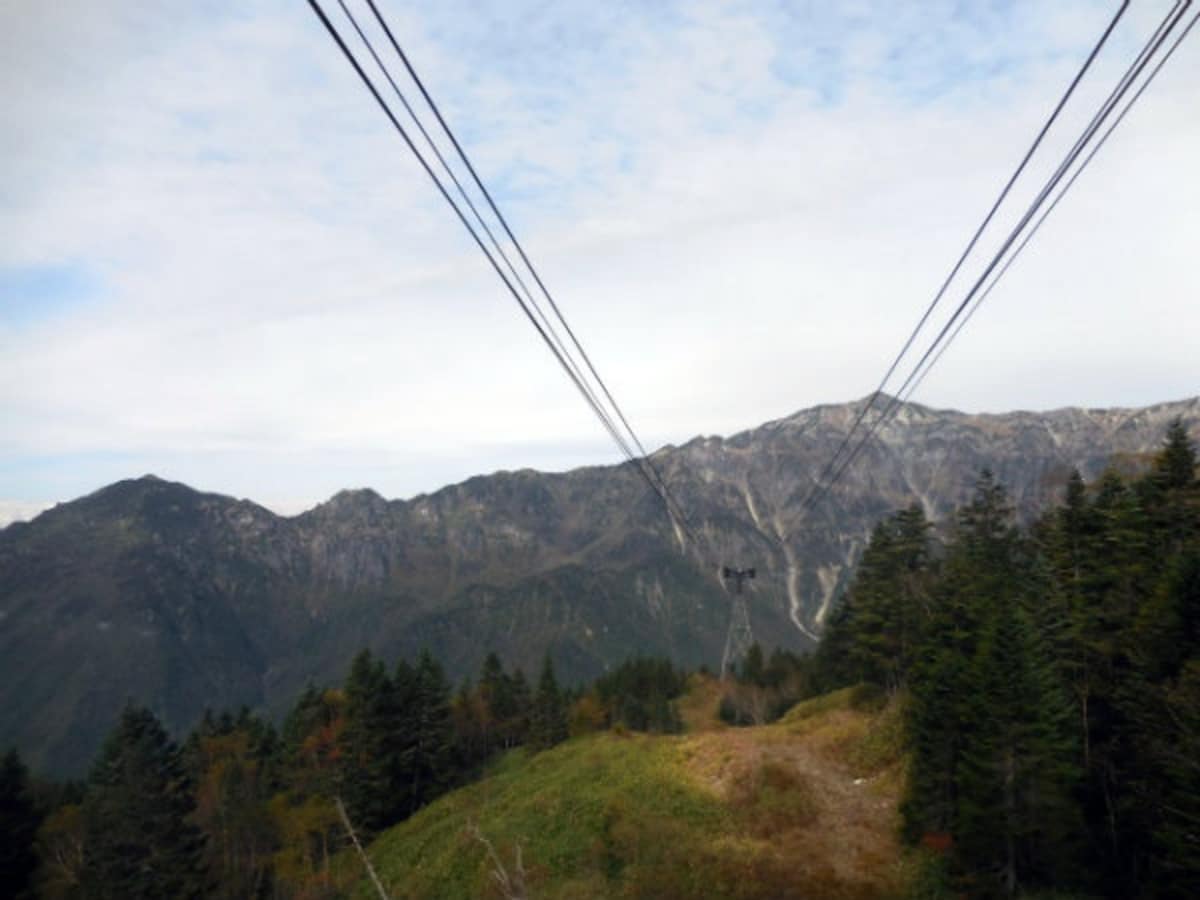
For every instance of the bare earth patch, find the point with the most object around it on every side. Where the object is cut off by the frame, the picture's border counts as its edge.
(843, 831)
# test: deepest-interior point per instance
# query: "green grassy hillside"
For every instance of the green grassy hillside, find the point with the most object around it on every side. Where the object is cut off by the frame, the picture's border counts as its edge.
(803, 808)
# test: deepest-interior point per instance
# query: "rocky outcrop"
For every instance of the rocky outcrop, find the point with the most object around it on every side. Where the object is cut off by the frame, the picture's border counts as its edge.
(150, 590)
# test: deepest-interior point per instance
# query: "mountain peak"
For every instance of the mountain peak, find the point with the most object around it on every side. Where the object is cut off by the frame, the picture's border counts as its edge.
(350, 503)
(152, 590)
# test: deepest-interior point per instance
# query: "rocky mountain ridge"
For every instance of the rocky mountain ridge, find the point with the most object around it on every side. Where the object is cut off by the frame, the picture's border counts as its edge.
(150, 590)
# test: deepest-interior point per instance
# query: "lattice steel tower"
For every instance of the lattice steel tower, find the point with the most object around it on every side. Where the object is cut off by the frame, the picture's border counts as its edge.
(740, 636)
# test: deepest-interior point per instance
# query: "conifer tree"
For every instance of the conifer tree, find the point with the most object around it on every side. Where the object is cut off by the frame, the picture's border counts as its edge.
(549, 720)
(1166, 493)
(889, 599)
(1016, 812)
(1073, 534)
(946, 710)
(521, 706)
(18, 826)
(503, 707)
(139, 842)
(428, 726)
(1175, 464)
(1054, 716)
(367, 765)
(638, 694)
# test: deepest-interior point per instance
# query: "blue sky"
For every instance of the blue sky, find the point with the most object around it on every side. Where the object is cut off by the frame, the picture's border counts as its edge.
(218, 264)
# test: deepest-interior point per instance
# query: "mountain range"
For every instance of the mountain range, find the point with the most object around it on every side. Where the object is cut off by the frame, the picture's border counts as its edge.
(150, 590)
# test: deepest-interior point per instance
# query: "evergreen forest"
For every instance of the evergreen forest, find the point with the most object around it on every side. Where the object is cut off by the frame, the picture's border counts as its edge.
(241, 809)
(1047, 676)
(1051, 677)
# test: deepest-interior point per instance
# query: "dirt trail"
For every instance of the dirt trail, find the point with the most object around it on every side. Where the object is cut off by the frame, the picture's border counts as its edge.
(850, 829)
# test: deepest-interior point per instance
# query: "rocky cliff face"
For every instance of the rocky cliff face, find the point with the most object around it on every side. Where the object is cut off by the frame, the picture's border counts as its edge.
(153, 591)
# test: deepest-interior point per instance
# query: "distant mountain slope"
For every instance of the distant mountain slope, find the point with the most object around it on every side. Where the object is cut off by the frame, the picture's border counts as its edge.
(150, 590)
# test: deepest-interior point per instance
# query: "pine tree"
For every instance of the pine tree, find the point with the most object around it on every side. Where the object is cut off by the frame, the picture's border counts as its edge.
(1175, 464)
(549, 720)
(427, 723)
(1175, 751)
(367, 763)
(139, 842)
(18, 826)
(1016, 814)
(1167, 493)
(978, 578)
(888, 602)
(1069, 538)
(940, 720)
(521, 705)
(1054, 715)
(503, 721)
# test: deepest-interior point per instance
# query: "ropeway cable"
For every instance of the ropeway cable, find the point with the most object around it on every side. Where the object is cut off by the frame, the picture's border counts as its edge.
(433, 106)
(1148, 51)
(675, 512)
(549, 326)
(1111, 128)
(810, 498)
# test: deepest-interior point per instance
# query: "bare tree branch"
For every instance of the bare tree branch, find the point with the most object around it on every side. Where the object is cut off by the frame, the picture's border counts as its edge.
(512, 886)
(341, 808)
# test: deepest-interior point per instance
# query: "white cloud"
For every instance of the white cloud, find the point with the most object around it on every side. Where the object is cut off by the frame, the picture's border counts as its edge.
(732, 237)
(19, 510)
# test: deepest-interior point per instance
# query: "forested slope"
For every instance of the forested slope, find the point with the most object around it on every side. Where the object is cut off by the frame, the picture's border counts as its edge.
(152, 591)
(1054, 681)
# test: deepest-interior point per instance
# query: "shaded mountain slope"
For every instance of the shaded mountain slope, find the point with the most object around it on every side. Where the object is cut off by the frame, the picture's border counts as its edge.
(153, 591)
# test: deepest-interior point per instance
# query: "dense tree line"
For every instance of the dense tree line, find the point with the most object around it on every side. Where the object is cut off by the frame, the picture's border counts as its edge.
(1052, 681)
(244, 810)
(1050, 677)
(19, 820)
(639, 695)
(761, 689)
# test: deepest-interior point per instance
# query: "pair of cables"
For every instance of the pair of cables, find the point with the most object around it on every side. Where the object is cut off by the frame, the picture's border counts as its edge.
(1085, 147)
(568, 351)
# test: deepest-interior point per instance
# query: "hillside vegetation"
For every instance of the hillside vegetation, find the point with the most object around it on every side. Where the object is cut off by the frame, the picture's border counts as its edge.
(806, 807)
(1039, 738)
(181, 601)
(1053, 673)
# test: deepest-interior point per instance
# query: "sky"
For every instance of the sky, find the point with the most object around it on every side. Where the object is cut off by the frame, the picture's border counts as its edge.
(219, 264)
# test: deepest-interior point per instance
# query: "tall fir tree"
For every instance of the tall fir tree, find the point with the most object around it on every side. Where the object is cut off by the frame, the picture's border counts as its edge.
(1016, 811)
(946, 710)
(370, 746)
(1175, 463)
(889, 600)
(139, 842)
(428, 752)
(549, 719)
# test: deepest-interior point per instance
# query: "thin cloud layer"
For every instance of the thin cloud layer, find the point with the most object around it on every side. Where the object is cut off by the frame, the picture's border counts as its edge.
(221, 265)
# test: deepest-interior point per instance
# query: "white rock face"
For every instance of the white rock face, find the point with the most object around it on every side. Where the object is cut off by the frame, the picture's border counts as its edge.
(756, 482)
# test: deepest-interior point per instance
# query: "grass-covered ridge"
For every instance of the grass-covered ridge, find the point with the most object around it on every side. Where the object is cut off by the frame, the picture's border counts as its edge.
(771, 812)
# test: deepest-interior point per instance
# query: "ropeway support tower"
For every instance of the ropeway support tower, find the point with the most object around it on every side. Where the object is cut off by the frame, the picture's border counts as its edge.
(740, 637)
